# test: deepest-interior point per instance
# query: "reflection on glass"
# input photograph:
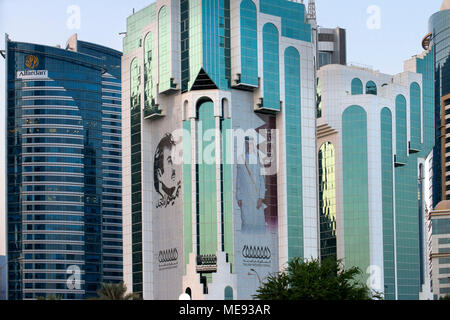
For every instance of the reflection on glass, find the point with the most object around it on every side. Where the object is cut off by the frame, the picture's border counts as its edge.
(371, 88)
(327, 201)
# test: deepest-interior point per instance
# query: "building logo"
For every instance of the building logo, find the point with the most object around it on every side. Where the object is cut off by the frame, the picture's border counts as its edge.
(256, 253)
(31, 62)
(168, 259)
(32, 74)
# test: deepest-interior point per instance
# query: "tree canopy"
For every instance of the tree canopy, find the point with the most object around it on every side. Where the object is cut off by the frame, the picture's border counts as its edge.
(112, 291)
(315, 280)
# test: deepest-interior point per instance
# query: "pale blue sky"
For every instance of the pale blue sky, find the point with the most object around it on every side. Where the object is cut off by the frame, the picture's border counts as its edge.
(403, 23)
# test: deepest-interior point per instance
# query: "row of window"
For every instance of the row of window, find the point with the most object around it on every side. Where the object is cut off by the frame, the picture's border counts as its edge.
(357, 87)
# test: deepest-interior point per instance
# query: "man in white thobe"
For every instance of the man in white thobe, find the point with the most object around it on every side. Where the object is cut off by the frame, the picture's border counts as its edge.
(251, 190)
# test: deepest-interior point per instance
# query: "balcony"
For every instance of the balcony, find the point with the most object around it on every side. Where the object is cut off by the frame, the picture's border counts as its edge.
(207, 263)
(261, 108)
(152, 111)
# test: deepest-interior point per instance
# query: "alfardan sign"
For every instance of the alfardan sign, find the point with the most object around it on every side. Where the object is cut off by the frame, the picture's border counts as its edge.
(32, 62)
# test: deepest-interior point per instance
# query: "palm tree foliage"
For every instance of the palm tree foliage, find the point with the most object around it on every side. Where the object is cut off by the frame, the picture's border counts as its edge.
(113, 291)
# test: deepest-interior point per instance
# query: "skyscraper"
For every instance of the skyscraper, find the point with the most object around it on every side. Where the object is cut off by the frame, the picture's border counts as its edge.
(439, 38)
(440, 249)
(64, 169)
(332, 46)
(2, 277)
(374, 133)
(231, 83)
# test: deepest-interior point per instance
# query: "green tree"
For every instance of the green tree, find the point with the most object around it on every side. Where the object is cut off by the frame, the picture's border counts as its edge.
(313, 280)
(445, 297)
(113, 291)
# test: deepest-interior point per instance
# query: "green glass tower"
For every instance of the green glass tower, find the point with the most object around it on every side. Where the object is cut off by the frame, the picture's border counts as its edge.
(219, 146)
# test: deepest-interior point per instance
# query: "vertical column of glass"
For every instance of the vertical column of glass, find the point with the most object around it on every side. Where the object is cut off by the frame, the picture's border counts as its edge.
(293, 153)
(425, 67)
(227, 192)
(14, 180)
(407, 229)
(271, 67)
(216, 41)
(401, 130)
(93, 154)
(187, 191)
(195, 40)
(164, 54)
(136, 176)
(415, 117)
(249, 43)
(407, 221)
(355, 188)
(327, 201)
(150, 106)
(207, 181)
(184, 32)
(112, 179)
(388, 203)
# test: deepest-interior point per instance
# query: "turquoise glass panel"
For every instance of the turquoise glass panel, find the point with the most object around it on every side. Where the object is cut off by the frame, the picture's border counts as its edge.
(271, 66)
(355, 188)
(371, 88)
(216, 41)
(187, 192)
(293, 18)
(387, 166)
(401, 130)
(357, 86)
(249, 44)
(416, 125)
(207, 183)
(294, 153)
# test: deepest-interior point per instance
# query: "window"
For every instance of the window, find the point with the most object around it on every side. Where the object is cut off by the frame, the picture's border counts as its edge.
(371, 88)
(357, 86)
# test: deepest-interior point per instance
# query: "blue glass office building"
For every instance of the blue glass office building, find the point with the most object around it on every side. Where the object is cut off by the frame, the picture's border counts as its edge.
(439, 38)
(64, 202)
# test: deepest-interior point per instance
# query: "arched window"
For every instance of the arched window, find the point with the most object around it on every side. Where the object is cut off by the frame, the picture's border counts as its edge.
(271, 63)
(249, 43)
(228, 293)
(357, 86)
(355, 177)
(371, 88)
(149, 78)
(164, 53)
(415, 117)
(135, 84)
(401, 130)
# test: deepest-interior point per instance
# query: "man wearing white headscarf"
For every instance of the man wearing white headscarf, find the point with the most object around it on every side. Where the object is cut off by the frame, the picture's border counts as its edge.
(251, 190)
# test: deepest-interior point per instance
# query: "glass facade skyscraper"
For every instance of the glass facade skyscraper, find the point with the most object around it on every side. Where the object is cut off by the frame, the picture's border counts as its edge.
(439, 39)
(64, 203)
(231, 83)
(374, 133)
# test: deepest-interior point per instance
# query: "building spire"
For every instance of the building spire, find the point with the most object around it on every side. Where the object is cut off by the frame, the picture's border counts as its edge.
(311, 10)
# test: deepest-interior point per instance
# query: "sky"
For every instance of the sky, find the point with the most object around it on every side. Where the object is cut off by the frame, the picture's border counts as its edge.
(381, 34)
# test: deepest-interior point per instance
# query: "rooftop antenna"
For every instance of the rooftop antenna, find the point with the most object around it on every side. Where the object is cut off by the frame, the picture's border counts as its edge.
(311, 10)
